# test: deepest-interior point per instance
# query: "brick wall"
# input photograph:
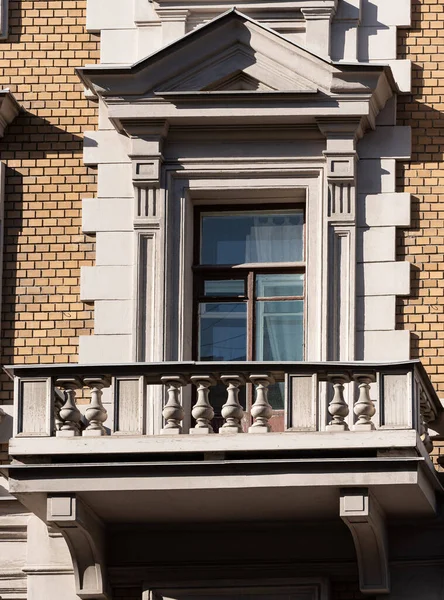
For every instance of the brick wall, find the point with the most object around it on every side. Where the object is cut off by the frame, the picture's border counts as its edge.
(42, 315)
(423, 243)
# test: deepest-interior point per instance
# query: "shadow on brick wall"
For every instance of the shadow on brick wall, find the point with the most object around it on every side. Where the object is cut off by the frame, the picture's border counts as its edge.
(427, 125)
(15, 21)
(34, 150)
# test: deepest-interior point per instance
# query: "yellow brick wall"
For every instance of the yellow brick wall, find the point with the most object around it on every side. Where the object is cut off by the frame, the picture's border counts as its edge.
(42, 316)
(423, 244)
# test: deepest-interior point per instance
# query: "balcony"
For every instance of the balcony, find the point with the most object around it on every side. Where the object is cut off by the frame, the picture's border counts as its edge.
(148, 400)
(96, 447)
(161, 413)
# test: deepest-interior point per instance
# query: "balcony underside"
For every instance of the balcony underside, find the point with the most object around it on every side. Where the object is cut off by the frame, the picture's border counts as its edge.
(181, 479)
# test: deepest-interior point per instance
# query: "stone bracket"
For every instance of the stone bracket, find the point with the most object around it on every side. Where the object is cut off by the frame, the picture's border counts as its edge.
(84, 534)
(361, 513)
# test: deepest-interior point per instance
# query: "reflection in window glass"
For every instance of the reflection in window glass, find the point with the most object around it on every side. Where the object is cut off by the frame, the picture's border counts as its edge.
(222, 331)
(279, 337)
(224, 287)
(279, 330)
(273, 286)
(253, 237)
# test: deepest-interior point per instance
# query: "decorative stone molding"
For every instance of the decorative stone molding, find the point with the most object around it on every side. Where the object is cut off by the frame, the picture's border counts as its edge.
(318, 29)
(362, 515)
(340, 210)
(84, 534)
(174, 22)
(147, 158)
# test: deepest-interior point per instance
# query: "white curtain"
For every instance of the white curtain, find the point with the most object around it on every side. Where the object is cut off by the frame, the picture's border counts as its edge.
(271, 240)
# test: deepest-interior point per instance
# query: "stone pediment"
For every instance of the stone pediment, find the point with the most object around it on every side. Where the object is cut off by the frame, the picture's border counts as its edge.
(241, 70)
(231, 50)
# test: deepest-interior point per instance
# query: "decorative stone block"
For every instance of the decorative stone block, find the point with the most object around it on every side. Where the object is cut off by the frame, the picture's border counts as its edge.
(375, 13)
(384, 210)
(377, 43)
(105, 147)
(402, 73)
(109, 14)
(107, 214)
(118, 46)
(115, 181)
(376, 176)
(375, 313)
(384, 346)
(106, 283)
(377, 244)
(113, 317)
(107, 348)
(114, 248)
(387, 142)
(381, 279)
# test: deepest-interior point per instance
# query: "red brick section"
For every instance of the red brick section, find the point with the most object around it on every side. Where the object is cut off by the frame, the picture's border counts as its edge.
(42, 315)
(423, 244)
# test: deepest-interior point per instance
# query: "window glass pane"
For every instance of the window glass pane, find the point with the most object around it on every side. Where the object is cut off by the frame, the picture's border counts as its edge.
(222, 331)
(280, 330)
(279, 336)
(224, 287)
(254, 237)
(273, 286)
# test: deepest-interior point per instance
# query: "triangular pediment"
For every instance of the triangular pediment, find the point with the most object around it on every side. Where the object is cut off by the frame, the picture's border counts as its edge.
(230, 53)
(238, 82)
(231, 65)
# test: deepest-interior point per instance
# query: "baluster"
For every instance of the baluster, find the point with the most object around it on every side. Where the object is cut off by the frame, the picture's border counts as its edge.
(96, 412)
(69, 415)
(364, 408)
(232, 411)
(173, 412)
(59, 401)
(261, 410)
(425, 416)
(338, 407)
(202, 411)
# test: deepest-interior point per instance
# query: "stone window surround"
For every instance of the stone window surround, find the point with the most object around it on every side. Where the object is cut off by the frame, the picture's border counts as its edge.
(185, 194)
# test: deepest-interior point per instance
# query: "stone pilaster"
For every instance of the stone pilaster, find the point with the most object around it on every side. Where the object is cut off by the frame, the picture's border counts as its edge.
(340, 214)
(318, 29)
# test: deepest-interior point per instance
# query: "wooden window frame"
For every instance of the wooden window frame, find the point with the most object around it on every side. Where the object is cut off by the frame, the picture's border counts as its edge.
(248, 272)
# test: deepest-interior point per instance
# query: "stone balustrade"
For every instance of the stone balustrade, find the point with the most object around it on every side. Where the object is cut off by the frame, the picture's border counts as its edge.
(174, 398)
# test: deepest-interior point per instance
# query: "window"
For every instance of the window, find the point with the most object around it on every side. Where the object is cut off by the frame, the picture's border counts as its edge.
(249, 289)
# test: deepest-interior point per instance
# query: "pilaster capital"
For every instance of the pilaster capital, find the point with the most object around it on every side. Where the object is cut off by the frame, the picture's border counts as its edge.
(343, 133)
(147, 141)
(319, 13)
(173, 14)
